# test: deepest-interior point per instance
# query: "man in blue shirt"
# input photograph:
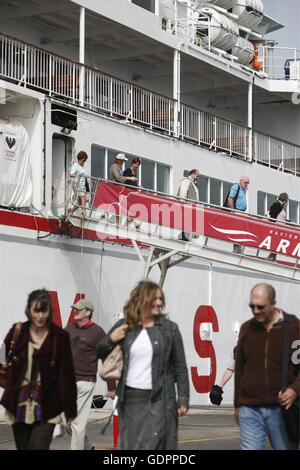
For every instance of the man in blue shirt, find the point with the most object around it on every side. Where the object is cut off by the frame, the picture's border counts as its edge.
(237, 199)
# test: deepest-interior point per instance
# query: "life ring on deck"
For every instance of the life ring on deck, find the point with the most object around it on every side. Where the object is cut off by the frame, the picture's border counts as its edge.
(255, 62)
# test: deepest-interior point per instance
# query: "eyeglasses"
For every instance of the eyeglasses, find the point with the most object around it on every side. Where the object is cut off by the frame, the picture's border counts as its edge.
(259, 307)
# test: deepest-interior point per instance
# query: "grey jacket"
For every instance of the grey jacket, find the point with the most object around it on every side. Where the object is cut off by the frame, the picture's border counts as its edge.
(116, 173)
(188, 190)
(168, 361)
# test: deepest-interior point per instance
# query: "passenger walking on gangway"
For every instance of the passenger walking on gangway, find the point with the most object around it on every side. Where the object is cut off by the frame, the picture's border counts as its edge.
(116, 170)
(237, 199)
(80, 182)
(188, 190)
(131, 172)
(277, 211)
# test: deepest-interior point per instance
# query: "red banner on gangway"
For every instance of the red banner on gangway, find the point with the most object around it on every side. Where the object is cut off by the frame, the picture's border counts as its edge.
(194, 218)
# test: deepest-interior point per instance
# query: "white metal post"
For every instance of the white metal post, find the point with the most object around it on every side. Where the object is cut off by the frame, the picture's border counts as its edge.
(81, 54)
(176, 89)
(250, 120)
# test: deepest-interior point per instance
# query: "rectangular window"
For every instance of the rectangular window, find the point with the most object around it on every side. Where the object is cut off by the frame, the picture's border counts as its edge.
(293, 211)
(148, 174)
(98, 162)
(163, 178)
(261, 210)
(215, 192)
(146, 4)
(151, 175)
(202, 184)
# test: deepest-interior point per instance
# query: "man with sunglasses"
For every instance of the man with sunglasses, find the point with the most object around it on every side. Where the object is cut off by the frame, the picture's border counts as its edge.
(259, 359)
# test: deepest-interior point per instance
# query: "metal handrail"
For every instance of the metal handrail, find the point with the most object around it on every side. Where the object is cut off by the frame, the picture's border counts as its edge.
(54, 74)
(177, 199)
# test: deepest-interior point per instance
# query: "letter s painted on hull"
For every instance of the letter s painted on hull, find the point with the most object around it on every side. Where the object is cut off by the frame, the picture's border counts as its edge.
(204, 348)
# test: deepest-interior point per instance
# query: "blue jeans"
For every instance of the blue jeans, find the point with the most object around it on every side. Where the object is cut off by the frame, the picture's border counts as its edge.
(258, 422)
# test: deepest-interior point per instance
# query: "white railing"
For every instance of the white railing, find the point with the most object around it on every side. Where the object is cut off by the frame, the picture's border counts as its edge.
(56, 75)
(50, 73)
(215, 132)
(280, 63)
(276, 153)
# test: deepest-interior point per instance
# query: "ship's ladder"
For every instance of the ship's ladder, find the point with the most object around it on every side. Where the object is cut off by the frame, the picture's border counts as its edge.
(148, 219)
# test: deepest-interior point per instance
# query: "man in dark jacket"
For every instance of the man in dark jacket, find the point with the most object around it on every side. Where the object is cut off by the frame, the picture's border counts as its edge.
(259, 358)
(84, 336)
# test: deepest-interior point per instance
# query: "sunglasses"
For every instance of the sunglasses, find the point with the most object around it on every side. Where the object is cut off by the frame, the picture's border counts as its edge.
(259, 307)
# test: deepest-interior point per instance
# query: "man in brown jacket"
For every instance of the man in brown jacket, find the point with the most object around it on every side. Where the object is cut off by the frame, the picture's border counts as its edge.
(259, 358)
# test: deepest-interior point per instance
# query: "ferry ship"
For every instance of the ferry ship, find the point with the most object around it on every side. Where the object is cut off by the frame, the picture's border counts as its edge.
(182, 84)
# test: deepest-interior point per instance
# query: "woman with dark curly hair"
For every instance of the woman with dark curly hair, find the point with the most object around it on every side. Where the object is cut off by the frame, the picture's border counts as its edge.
(154, 361)
(42, 382)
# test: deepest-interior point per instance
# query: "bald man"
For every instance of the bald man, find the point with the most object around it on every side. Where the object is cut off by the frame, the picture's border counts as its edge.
(237, 199)
(259, 358)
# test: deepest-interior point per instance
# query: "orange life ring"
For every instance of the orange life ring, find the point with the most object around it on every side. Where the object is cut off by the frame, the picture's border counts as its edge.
(255, 62)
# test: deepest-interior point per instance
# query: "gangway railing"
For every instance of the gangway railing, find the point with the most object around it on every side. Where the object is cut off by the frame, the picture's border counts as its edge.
(160, 221)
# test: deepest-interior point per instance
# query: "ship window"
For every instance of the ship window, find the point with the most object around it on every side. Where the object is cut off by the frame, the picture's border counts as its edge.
(293, 211)
(151, 175)
(146, 4)
(98, 162)
(202, 184)
(163, 178)
(215, 192)
(111, 156)
(148, 174)
(261, 209)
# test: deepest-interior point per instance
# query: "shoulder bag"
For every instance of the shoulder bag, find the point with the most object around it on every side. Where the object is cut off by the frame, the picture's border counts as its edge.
(113, 365)
(291, 416)
(5, 369)
(226, 204)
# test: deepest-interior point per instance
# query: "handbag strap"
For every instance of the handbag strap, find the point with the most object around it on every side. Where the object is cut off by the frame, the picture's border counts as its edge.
(285, 352)
(13, 343)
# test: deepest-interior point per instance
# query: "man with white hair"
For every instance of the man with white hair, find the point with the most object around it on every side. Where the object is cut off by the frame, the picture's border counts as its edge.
(237, 199)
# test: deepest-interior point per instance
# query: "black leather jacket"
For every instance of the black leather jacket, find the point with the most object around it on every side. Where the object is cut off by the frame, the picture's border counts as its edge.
(168, 361)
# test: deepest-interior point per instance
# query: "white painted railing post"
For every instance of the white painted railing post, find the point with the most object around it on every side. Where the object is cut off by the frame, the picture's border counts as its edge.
(176, 90)
(82, 55)
(250, 120)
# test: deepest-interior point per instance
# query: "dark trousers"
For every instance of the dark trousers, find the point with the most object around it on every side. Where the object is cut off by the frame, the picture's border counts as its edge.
(35, 436)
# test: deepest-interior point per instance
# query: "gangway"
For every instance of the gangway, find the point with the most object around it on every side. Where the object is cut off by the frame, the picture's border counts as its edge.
(148, 219)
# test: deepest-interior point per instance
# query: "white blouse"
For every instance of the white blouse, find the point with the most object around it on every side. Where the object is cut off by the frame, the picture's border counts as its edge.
(140, 362)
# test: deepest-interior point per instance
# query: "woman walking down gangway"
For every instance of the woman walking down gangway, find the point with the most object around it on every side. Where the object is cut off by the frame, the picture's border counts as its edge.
(154, 360)
(132, 172)
(80, 182)
(42, 383)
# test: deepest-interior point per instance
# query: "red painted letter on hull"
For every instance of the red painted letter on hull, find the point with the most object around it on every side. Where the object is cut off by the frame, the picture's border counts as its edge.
(56, 317)
(204, 348)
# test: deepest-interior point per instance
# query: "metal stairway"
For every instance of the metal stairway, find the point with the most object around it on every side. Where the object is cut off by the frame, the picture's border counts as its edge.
(166, 250)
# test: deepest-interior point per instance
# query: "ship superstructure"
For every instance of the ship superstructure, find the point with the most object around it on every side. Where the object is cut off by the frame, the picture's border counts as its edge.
(181, 84)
